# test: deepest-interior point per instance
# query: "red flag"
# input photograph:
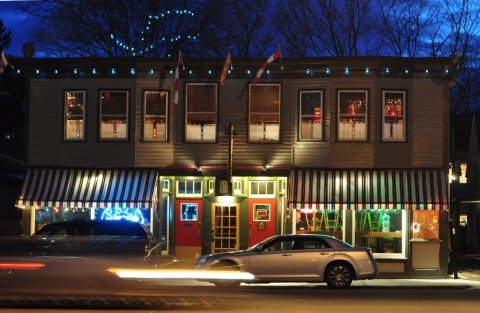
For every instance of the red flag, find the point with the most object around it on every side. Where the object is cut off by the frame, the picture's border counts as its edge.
(176, 85)
(272, 58)
(228, 63)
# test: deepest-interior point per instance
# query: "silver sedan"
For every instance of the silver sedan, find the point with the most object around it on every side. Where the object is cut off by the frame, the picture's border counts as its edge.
(296, 258)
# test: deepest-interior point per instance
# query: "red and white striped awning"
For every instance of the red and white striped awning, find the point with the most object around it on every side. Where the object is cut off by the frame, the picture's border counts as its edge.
(368, 189)
(88, 188)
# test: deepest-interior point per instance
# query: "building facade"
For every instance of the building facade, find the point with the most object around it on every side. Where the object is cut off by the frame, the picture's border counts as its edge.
(352, 147)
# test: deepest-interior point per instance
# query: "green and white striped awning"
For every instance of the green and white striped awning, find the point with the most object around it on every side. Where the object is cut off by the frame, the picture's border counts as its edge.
(368, 189)
(88, 188)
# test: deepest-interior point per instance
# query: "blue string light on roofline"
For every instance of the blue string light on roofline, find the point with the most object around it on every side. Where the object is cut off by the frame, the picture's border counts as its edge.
(148, 47)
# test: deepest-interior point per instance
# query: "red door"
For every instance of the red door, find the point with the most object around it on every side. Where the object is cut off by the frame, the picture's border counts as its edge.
(188, 219)
(261, 219)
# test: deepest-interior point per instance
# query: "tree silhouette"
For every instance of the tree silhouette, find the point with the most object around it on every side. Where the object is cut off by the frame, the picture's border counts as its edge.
(5, 37)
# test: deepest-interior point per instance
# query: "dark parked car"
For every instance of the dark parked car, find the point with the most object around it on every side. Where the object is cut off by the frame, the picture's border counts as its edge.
(95, 237)
(296, 258)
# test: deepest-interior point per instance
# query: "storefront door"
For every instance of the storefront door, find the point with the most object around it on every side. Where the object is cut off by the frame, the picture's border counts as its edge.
(261, 220)
(225, 231)
(188, 219)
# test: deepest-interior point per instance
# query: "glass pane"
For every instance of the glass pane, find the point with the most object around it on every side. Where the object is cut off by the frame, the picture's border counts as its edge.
(189, 185)
(201, 98)
(155, 103)
(198, 187)
(312, 104)
(182, 187)
(262, 188)
(270, 188)
(114, 102)
(352, 107)
(265, 99)
(113, 127)
(394, 116)
(381, 230)
(74, 115)
(425, 224)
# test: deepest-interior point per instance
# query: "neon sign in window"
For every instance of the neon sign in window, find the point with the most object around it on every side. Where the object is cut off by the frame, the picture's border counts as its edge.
(133, 215)
(189, 212)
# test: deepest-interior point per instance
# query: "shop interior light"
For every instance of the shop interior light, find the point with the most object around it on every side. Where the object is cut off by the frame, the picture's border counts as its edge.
(94, 71)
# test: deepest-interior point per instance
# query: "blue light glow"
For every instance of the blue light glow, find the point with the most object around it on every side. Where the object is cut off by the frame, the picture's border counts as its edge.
(133, 215)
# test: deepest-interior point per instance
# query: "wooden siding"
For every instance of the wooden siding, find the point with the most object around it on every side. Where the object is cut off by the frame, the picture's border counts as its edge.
(45, 130)
(147, 153)
(426, 144)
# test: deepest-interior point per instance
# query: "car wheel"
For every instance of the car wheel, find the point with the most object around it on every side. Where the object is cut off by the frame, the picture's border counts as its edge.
(226, 266)
(339, 275)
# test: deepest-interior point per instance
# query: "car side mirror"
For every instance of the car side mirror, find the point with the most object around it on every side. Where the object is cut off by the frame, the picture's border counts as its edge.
(259, 248)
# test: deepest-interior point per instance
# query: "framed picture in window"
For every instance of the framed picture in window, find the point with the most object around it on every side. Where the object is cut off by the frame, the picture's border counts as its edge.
(261, 212)
(189, 212)
(394, 104)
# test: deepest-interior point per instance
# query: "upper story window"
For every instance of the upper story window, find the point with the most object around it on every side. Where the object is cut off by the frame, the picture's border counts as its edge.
(393, 115)
(113, 115)
(352, 108)
(189, 188)
(201, 113)
(262, 189)
(74, 108)
(311, 115)
(264, 113)
(155, 104)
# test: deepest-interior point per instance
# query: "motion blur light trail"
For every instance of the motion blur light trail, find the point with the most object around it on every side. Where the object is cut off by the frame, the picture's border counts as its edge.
(21, 266)
(180, 274)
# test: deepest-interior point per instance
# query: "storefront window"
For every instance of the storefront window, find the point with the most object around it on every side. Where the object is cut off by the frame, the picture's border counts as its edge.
(48, 215)
(352, 115)
(381, 230)
(155, 115)
(201, 113)
(74, 127)
(393, 115)
(425, 225)
(319, 221)
(264, 113)
(114, 115)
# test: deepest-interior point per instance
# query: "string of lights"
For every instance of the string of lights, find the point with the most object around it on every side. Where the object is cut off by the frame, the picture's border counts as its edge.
(146, 48)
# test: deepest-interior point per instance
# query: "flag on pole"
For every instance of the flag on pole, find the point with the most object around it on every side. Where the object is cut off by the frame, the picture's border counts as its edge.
(3, 63)
(273, 57)
(176, 85)
(228, 63)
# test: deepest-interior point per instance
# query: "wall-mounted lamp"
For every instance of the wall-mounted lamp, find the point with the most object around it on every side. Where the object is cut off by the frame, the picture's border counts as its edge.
(266, 167)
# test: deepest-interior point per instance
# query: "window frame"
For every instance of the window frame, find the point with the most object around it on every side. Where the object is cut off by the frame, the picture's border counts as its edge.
(405, 122)
(187, 140)
(266, 194)
(249, 139)
(84, 115)
(127, 117)
(322, 114)
(144, 114)
(367, 116)
(186, 195)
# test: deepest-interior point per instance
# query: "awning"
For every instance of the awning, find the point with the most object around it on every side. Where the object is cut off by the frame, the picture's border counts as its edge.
(88, 188)
(368, 189)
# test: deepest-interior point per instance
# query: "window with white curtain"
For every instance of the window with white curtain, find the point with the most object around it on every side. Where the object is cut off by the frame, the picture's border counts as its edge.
(393, 113)
(114, 114)
(264, 113)
(74, 120)
(155, 108)
(311, 115)
(201, 113)
(352, 118)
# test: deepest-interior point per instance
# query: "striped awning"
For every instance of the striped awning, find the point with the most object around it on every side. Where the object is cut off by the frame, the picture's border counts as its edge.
(368, 189)
(88, 188)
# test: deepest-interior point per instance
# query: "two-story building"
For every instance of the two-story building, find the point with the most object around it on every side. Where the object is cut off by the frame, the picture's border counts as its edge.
(352, 147)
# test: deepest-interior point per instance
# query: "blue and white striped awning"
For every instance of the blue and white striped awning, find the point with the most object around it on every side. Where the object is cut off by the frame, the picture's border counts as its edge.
(368, 189)
(88, 188)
